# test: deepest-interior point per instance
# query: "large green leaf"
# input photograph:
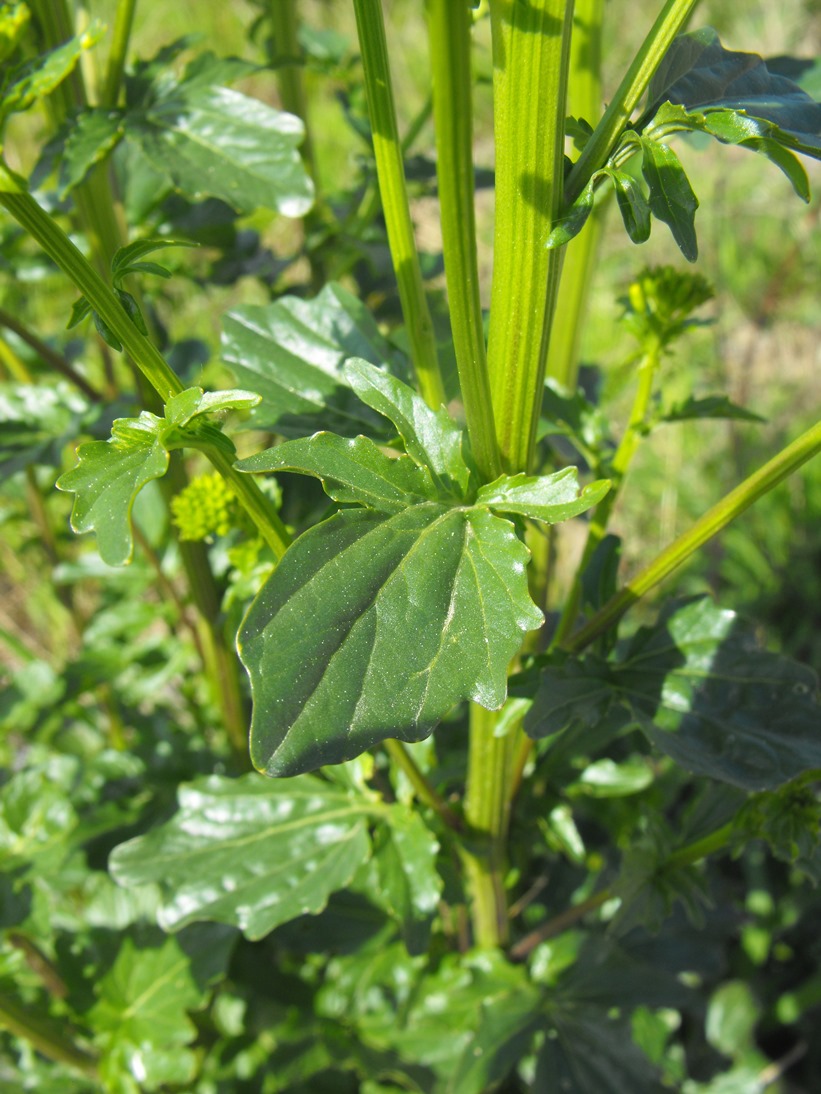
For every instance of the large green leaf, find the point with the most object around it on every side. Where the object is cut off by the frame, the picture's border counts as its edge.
(698, 73)
(351, 470)
(704, 693)
(36, 422)
(250, 852)
(326, 641)
(212, 141)
(292, 353)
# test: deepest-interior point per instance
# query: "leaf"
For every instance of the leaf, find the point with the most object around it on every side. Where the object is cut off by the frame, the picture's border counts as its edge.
(249, 852)
(108, 476)
(587, 1052)
(141, 1013)
(431, 437)
(87, 139)
(710, 698)
(127, 260)
(350, 470)
(292, 353)
(573, 219)
(633, 206)
(215, 142)
(454, 579)
(411, 887)
(711, 406)
(698, 73)
(671, 197)
(38, 77)
(547, 498)
(194, 402)
(36, 422)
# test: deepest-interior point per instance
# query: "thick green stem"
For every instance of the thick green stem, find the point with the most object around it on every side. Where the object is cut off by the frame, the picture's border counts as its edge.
(391, 173)
(714, 520)
(487, 811)
(584, 100)
(123, 22)
(669, 23)
(152, 365)
(449, 27)
(290, 69)
(530, 56)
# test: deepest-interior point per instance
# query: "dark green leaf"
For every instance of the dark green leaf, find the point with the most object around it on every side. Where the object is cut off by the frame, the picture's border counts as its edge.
(250, 852)
(431, 437)
(108, 476)
(671, 197)
(635, 212)
(711, 406)
(215, 142)
(587, 1052)
(698, 73)
(36, 78)
(572, 220)
(410, 885)
(550, 499)
(292, 353)
(453, 578)
(350, 470)
(709, 697)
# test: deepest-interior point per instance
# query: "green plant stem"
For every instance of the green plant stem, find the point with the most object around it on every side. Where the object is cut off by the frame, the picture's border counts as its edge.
(487, 811)
(596, 152)
(530, 56)
(684, 856)
(714, 520)
(152, 365)
(45, 1035)
(449, 27)
(424, 791)
(12, 364)
(290, 69)
(393, 190)
(584, 100)
(46, 353)
(619, 465)
(123, 22)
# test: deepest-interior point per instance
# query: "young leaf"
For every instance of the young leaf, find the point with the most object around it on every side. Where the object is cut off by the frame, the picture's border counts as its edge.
(572, 220)
(547, 498)
(36, 78)
(711, 406)
(107, 479)
(671, 196)
(249, 852)
(350, 470)
(127, 260)
(193, 402)
(454, 579)
(431, 437)
(633, 206)
(292, 353)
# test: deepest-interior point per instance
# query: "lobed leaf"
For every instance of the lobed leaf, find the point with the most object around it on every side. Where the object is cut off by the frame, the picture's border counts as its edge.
(249, 852)
(453, 579)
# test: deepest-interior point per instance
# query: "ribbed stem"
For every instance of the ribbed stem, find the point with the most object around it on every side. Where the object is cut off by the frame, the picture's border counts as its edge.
(449, 28)
(123, 22)
(393, 190)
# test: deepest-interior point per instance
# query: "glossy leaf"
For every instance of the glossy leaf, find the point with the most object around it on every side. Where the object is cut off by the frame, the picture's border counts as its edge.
(85, 141)
(574, 218)
(547, 498)
(292, 353)
(453, 578)
(215, 142)
(108, 476)
(249, 852)
(431, 437)
(351, 470)
(194, 402)
(699, 73)
(671, 196)
(39, 76)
